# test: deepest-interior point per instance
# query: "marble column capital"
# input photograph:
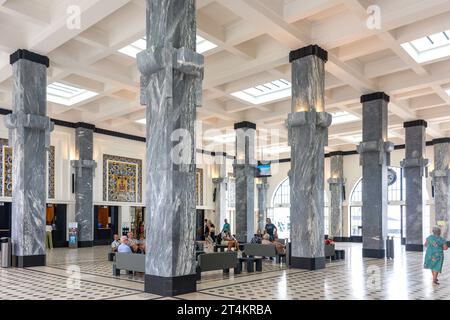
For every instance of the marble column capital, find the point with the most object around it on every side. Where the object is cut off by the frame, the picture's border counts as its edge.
(79, 165)
(414, 162)
(303, 118)
(381, 147)
(217, 181)
(263, 186)
(247, 169)
(440, 174)
(336, 181)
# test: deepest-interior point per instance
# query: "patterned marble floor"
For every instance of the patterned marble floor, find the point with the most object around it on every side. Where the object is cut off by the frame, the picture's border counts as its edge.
(86, 274)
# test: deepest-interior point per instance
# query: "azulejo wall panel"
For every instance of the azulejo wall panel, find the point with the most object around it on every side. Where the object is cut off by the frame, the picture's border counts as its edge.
(6, 170)
(122, 179)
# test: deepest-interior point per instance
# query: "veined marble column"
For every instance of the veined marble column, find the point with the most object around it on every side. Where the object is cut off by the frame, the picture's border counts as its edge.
(374, 153)
(84, 178)
(415, 166)
(244, 173)
(172, 72)
(220, 185)
(336, 183)
(441, 182)
(308, 135)
(29, 129)
(262, 202)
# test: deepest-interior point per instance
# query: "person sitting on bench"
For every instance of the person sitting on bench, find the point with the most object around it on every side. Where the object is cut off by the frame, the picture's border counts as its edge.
(115, 244)
(124, 247)
(281, 248)
(230, 241)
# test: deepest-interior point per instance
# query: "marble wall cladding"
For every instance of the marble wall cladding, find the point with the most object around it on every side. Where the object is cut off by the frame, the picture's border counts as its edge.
(84, 177)
(262, 203)
(441, 182)
(170, 94)
(199, 186)
(308, 135)
(6, 170)
(336, 183)
(29, 159)
(414, 166)
(374, 160)
(122, 179)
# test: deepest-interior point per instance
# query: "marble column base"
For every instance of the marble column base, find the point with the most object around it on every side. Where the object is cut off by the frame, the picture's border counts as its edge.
(308, 263)
(374, 253)
(170, 286)
(85, 244)
(341, 239)
(28, 261)
(414, 247)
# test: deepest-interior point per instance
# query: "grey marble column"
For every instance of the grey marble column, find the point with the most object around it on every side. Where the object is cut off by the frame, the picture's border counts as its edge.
(441, 183)
(172, 73)
(84, 168)
(415, 166)
(244, 173)
(29, 129)
(220, 184)
(262, 202)
(374, 153)
(336, 184)
(308, 135)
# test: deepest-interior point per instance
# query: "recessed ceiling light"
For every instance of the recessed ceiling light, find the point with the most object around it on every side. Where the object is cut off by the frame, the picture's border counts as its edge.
(447, 91)
(133, 49)
(267, 92)
(343, 117)
(277, 149)
(429, 48)
(67, 95)
(142, 121)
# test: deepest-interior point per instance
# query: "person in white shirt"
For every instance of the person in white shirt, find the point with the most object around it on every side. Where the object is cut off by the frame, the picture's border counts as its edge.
(124, 247)
(115, 244)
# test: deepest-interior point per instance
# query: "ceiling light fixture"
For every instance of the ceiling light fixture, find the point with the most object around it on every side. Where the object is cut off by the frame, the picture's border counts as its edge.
(264, 93)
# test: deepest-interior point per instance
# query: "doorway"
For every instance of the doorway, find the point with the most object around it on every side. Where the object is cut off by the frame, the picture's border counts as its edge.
(106, 221)
(5, 219)
(56, 216)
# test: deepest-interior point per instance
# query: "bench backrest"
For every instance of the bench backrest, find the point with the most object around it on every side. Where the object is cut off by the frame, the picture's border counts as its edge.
(260, 250)
(217, 261)
(130, 261)
(329, 250)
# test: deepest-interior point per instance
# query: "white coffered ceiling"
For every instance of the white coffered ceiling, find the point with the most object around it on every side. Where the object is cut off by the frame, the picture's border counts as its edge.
(253, 39)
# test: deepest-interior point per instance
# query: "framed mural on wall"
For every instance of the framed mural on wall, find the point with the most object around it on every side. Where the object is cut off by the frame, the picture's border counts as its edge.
(122, 179)
(6, 153)
(199, 186)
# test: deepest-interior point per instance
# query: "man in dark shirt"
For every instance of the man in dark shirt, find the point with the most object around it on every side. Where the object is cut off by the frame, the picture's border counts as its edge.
(270, 229)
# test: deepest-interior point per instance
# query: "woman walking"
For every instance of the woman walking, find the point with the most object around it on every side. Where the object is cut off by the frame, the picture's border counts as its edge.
(434, 257)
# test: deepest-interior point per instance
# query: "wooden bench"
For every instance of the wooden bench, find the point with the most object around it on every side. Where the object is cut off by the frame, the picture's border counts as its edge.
(131, 262)
(217, 261)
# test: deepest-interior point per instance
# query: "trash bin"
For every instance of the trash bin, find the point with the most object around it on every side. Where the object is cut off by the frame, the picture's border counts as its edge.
(390, 247)
(6, 252)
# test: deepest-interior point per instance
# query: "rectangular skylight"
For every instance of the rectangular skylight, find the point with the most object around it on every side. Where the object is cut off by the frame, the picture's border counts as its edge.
(275, 149)
(267, 92)
(447, 91)
(343, 117)
(222, 139)
(133, 49)
(429, 48)
(142, 121)
(67, 95)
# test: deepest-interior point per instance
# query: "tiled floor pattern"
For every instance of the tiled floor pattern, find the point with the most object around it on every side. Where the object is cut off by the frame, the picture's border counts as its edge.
(353, 278)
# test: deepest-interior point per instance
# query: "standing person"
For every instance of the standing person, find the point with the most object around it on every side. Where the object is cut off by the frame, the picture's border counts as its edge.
(226, 227)
(212, 230)
(206, 229)
(434, 257)
(270, 229)
(49, 236)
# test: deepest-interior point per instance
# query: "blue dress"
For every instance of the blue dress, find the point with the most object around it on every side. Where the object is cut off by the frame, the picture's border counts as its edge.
(434, 257)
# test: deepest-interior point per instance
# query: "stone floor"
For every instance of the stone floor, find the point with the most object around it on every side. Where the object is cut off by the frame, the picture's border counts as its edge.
(86, 274)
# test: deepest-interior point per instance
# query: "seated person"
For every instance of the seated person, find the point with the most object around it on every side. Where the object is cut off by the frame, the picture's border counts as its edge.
(116, 243)
(124, 247)
(257, 238)
(265, 239)
(136, 249)
(142, 247)
(131, 239)
(230, 241)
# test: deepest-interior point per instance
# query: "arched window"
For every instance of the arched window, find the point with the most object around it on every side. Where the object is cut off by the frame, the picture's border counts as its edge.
(396, 207)
(281, 209)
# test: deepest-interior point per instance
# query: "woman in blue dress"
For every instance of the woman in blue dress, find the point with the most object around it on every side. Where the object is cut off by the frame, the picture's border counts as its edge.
(434, 257)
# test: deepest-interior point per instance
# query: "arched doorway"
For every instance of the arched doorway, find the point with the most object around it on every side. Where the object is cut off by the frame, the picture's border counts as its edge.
(280, 212)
